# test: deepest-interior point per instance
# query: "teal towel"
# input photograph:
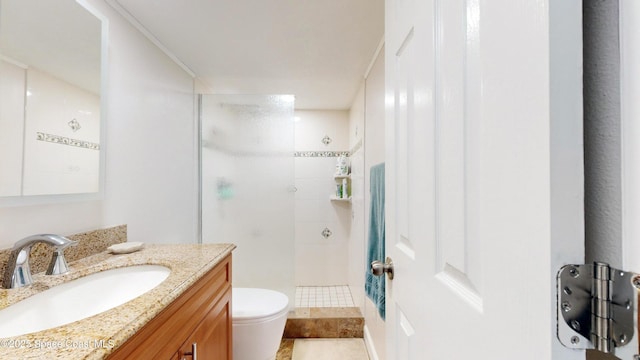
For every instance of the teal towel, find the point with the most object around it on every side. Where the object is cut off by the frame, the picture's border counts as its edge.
(374, 285)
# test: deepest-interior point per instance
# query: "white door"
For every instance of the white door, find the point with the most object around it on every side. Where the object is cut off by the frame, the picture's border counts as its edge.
(484, 175)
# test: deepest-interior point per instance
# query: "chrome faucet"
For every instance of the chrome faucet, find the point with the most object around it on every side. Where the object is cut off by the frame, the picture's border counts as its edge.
(18, 273)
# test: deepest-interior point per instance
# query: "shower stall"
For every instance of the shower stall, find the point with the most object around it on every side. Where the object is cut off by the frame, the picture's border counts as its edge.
(247, 185)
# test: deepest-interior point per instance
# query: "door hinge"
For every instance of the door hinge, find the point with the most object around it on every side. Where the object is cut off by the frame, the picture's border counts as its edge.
(597, 308)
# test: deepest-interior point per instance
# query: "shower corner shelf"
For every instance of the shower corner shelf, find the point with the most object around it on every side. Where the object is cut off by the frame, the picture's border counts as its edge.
(340, 178)
(335, 198)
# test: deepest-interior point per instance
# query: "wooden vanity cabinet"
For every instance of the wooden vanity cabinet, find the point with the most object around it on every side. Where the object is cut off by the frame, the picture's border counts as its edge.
(210, 336)
(201, 315)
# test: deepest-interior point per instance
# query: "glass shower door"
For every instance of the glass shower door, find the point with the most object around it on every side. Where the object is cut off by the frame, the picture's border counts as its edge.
(247, 177)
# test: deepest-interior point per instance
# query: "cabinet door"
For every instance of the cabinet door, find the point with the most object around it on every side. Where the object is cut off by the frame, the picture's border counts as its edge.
(201, 315)
(213, 335)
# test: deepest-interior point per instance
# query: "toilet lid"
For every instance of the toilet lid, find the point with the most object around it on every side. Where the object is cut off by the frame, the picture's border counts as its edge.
(257, 303)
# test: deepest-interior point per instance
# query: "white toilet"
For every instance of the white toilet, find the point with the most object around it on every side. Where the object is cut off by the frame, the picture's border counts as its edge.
(258, 317)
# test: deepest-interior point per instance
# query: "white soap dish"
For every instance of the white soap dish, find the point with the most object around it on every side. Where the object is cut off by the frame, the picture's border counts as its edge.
(125, 248)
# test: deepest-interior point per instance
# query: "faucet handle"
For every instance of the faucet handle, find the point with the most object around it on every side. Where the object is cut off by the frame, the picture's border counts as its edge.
(66, 244)
(58, 264)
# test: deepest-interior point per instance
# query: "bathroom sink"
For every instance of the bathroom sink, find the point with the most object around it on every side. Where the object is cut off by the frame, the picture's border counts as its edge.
(79, 299)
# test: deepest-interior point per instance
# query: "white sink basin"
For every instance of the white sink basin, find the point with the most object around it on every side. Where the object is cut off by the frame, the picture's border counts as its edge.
(79, 299)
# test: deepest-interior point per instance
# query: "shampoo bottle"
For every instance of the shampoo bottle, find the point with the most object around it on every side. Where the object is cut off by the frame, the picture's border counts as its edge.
(344, 189)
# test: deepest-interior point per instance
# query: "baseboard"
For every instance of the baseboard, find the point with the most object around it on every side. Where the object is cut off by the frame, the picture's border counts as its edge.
(368, 342)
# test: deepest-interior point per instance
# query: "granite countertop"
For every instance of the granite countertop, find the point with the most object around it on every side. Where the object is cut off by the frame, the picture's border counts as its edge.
(97, 336)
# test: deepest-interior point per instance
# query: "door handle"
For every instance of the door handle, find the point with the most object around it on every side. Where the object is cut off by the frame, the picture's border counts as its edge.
(378, 268)
(194, 352)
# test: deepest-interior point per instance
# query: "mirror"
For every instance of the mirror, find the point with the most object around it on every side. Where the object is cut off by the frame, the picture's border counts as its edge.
(51, 66)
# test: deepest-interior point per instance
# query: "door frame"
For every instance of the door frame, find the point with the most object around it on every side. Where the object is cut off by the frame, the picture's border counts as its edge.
(629, 12)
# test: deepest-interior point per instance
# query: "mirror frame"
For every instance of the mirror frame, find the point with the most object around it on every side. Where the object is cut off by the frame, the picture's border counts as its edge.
(27, 200)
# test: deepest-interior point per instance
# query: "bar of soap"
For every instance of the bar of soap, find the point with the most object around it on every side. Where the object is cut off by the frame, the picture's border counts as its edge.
(125, 248)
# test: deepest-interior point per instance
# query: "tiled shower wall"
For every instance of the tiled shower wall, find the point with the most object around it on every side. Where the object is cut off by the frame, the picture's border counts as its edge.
(52, 133)
(322, 226)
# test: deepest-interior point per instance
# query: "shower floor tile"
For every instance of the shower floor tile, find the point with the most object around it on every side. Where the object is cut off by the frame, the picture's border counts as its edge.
(323, 296)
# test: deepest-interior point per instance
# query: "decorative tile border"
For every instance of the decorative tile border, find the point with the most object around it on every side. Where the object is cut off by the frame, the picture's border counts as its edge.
(325, 154)
(56, 139)
(320, 153)
(305, 154)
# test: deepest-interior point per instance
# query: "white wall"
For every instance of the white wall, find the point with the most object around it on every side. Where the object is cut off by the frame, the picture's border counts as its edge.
(367, 139)
(374, 154)
(320, 261)
(12, 89)
(357, 242)
(151, 182)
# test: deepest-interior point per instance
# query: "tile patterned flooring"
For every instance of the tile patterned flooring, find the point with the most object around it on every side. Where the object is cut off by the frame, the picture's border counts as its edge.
(323, 296)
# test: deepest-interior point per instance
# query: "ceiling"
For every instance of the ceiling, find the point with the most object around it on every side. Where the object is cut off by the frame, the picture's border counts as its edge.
(317, 50)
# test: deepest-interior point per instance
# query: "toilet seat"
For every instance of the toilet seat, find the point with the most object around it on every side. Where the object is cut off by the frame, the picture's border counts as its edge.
(251, 305)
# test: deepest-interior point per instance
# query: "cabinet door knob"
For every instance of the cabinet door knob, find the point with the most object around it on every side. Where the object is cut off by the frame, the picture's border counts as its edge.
(194, 351)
